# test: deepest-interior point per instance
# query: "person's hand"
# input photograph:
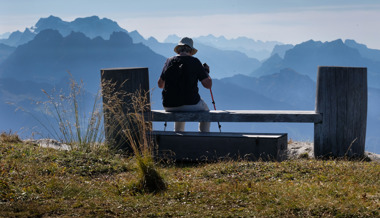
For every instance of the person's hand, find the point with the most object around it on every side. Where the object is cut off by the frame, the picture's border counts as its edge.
(207, 68)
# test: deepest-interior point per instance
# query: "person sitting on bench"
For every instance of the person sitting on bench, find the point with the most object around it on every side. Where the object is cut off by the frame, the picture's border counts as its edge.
(179, 81)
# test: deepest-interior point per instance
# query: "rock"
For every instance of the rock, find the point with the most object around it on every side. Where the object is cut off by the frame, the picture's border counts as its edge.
(297, 150)
(49, 143)
(373, 156)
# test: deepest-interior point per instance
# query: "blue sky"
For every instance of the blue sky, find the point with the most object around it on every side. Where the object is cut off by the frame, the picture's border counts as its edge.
(287, 21)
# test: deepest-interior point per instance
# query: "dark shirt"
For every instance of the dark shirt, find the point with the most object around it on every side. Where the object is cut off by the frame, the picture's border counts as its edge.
(181, 75)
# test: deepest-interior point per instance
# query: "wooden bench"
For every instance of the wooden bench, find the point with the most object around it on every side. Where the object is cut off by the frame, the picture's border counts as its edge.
(211, 146)
(340, 115)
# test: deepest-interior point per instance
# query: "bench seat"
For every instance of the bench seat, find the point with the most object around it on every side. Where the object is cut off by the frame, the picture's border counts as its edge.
(239, 116)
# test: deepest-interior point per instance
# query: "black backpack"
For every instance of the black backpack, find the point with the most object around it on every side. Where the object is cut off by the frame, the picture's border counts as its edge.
(174, 90)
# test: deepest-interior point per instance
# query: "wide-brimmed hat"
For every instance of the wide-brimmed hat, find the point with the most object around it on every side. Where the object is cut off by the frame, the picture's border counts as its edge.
(186, 41)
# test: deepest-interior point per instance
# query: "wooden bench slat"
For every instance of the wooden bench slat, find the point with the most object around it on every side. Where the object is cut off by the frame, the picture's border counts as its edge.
(191, 146)
(239, 116)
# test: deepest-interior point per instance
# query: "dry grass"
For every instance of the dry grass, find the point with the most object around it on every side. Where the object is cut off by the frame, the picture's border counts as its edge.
(37, 181)
(125, 113)
(73, 117)
(9, 137)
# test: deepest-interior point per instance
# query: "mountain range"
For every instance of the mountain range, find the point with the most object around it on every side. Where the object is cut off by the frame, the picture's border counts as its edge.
(252, 48)
(233, 61)
(50, 56)
(224, 62)
(307, 56)
(41, 57)
(91, 26)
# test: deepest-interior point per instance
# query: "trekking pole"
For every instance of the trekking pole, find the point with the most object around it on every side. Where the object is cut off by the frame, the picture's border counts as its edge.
(207, 68)
(213, 102)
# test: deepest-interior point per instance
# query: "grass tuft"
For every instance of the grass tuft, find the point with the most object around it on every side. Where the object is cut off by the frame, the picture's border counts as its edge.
(71, 119)
(9, 137)
(132, 126)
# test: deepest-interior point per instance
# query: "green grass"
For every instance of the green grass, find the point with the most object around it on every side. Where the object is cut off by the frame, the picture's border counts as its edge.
(38, 181)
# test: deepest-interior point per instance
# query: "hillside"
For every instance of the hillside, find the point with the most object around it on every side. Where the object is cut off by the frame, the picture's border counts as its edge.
(42, 182)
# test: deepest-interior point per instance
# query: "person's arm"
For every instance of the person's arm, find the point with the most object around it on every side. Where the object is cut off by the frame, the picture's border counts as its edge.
(161, 83)
(207, 83)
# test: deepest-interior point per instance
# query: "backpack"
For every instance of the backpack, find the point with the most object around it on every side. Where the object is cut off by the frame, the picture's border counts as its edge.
(173, 94)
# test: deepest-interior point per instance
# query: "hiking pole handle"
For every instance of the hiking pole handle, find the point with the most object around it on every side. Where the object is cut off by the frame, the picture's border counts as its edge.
(207, 68)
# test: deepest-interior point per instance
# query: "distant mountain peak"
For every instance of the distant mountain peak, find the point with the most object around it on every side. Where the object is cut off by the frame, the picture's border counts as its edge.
(372, 54)
(335, 43)
(137, 38)
(27, 31)
(308, 44)
(52, 18)
(274, 58)
(120, 38)
(173, 38)
(49, 21)
(353, 44)
(77, 36)
(15, 33)
(91, 18)
(95, 20)
(152, 39)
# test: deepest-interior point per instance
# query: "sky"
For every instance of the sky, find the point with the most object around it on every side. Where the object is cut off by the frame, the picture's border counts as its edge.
(286, 21)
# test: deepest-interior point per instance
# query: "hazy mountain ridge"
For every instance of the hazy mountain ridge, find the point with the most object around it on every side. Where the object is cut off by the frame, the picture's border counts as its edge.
(252, 48)
(300, 89)
(83, 57)
(90, 26)
(223, 62)
(372, 54)
(18, 38)
(307, 56)
(280, 50)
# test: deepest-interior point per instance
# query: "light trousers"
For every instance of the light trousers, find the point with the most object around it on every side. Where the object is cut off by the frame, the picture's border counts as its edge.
(200, 106)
